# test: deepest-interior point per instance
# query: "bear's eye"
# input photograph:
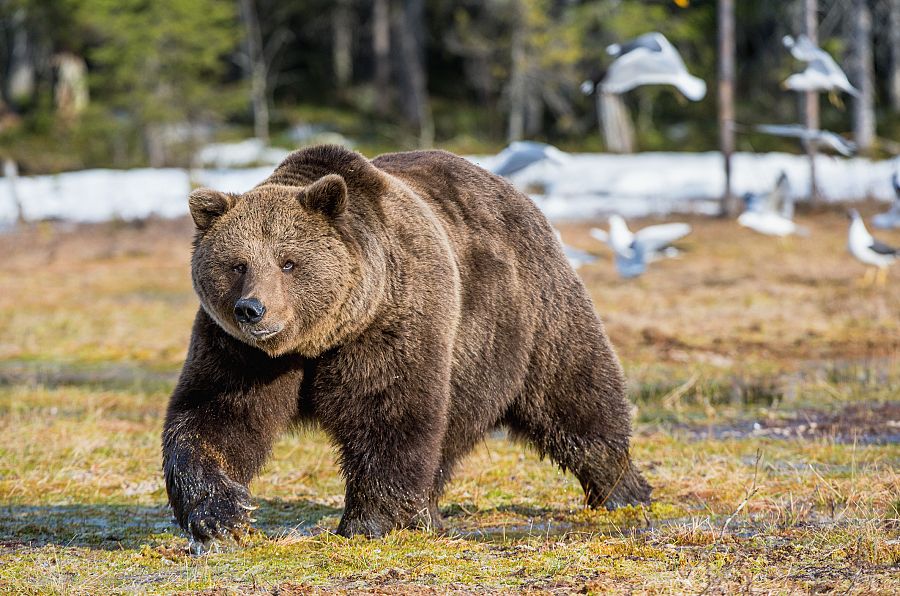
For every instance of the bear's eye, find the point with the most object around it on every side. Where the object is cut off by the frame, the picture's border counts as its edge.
(288, 266)
(240, 268)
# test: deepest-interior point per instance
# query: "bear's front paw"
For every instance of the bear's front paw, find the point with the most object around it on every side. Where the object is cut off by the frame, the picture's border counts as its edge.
(223, 512)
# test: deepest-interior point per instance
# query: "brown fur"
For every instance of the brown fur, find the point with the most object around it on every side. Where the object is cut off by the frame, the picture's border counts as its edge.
(429, 303)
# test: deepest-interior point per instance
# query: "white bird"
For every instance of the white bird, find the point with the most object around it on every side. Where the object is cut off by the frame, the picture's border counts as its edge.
(770, 214)
(779, 200)
(634, 250)
(869, 251)
(649, 60)
(891, 217)
(768, 223)
(822, 72)
(523, 154)
(822, 138)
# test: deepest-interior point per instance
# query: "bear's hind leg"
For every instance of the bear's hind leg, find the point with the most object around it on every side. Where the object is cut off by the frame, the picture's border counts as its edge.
(586, 447)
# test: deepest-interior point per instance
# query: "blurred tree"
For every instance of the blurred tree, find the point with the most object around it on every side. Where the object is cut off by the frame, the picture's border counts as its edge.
(893, 58)
(342, 42)
(264, 40)
(381, 49)
(409, 57)
(31, 32)
(475, 73)
(859, 32)
(160, 62)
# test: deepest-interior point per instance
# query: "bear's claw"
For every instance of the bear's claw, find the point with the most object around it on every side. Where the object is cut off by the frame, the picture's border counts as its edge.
(223, 513)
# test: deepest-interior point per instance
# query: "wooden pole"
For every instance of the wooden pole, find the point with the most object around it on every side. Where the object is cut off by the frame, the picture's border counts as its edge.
(729, 206)
(811, 111)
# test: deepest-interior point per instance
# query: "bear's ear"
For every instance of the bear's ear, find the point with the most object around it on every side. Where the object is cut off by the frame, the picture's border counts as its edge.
(207, 204)
(326, 195)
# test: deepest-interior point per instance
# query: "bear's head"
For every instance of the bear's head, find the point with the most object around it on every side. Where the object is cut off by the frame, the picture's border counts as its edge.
(277, 266)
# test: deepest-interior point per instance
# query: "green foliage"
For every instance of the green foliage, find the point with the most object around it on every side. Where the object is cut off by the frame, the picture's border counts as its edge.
(159, 69)
(159, 60)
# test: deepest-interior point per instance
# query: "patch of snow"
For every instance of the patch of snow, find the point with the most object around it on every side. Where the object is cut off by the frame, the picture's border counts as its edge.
(593, 185)
(249, 152)
(314, 134)
(587, 186)
(98, 195)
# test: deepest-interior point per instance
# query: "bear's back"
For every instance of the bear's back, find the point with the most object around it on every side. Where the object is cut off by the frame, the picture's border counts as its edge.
(483, 212)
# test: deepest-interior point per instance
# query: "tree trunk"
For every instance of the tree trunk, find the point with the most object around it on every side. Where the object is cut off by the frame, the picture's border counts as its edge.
(342, 43)
(381, 48)
(410, 31)
(861, 76)
(615, 123)
(20, 77)
(534, 113)
(811, 103)
(257, 70)
(729, 206)
(517, 92)
(894, 46)
(155, 143)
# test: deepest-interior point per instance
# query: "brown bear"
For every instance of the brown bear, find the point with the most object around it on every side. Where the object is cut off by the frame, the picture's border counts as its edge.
(407, 305)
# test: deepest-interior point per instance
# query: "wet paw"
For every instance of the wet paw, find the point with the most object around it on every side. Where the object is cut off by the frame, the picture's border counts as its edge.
(223, 513)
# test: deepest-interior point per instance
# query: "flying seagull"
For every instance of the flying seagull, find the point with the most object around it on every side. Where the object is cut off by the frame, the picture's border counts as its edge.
(869, 251)
(634, 250)
(771, 213)
(648, 60)
(523, 154)
(891, 217)
(822, 138)
(822, 72)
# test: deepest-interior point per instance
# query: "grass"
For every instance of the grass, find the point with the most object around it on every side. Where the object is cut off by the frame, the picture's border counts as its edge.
(765, 385)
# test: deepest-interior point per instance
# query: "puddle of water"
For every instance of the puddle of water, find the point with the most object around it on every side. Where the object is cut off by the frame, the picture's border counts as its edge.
(111, 376)
(865, 423)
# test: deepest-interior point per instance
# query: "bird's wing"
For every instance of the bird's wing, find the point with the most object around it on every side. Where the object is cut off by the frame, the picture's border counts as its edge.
(629, 71)
(648, 41)
(895, 180)
(654, 238)
(627, 78)
(825, 65)
(642, 66)
(836, 142)
(600, 235)
(555, 155)
(882, 248)
(804, 49)
(783, 130)
(518, 156)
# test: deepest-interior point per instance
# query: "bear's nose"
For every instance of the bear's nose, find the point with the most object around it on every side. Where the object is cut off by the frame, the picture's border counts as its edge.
(249, 310)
